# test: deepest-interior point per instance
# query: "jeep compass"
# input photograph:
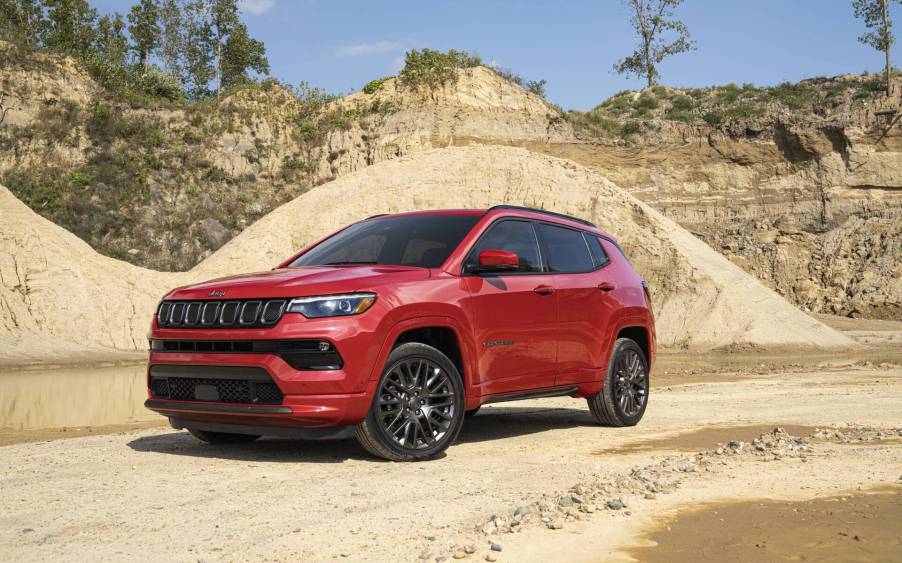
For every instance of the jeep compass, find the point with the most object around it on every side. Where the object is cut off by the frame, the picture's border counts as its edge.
(399, 327)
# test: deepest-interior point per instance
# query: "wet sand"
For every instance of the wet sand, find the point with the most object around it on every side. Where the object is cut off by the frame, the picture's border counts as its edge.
(864, 526)
(705, 438)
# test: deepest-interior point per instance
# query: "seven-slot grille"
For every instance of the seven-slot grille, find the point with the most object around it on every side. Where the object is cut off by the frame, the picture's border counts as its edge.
(221, 314)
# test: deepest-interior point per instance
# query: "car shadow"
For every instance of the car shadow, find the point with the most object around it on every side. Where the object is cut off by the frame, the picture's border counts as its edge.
(497, 422)
(492, 423)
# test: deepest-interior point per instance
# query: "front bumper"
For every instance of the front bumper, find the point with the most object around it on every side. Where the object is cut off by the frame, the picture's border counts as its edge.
(311, 398)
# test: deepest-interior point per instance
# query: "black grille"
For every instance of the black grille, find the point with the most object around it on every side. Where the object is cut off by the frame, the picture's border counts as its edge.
(300, 354)
(216, 390)
(220, 314)
(214, 384)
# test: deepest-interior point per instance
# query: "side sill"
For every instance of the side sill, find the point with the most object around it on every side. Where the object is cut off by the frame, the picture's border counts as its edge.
(155, 404)
(532, 394)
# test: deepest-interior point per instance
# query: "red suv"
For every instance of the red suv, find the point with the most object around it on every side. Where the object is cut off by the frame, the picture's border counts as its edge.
(398, 327)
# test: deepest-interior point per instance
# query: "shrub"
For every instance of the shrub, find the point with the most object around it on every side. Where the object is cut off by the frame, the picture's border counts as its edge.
(537, 87)
(374, 86)
(714, 118)
(57, 122)
(678, 115)
(631, 127)
(434, 68)
(646, 102)
(682, 103)
(510, 76)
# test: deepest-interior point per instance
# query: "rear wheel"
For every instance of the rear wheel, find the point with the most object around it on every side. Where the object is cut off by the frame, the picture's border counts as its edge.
(221, 437)
(418, 408)
(622, 400)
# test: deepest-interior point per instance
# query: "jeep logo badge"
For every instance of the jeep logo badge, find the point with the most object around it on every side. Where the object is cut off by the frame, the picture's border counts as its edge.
(216, 293)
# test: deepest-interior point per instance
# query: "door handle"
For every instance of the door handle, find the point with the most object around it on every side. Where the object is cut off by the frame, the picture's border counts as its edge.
(606, 286)
(544, 290)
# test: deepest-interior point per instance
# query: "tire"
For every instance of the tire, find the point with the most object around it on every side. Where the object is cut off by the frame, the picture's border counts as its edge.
(628, 370)
(472, 412)
(417, 412)
(221, 437)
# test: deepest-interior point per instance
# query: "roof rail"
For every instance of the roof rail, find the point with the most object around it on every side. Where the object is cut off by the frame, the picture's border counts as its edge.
(376, 215)
(542, 211)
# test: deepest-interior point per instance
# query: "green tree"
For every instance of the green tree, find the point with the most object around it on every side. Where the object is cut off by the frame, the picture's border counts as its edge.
(144, 29)
(111, 44)
(660, 36)
(198, 48)
(172, 38)
(240, 54)
(876, 17)
(223, 19)
(22, 21)
(70, 26)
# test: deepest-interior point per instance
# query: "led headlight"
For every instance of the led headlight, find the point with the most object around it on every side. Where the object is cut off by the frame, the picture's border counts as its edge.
(332, 305)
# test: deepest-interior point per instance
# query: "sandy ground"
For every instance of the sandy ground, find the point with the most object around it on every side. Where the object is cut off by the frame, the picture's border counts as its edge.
(159, 494)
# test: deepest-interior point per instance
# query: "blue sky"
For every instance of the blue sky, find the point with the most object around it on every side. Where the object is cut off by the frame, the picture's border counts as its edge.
(339, 45)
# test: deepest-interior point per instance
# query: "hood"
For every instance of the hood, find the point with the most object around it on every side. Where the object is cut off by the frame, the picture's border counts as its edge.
(300, 282)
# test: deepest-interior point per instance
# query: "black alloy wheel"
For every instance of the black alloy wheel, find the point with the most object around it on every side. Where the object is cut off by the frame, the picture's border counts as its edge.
(417, 411)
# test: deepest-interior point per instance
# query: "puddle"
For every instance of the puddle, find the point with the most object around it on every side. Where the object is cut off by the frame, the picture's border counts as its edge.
(863, 526)
(706, 438)
(37, 403)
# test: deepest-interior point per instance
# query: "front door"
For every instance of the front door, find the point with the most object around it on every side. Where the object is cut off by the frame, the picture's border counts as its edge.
(514, 313)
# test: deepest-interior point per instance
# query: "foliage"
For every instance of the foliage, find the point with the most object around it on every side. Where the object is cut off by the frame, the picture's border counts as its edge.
(660, 36)
(110, 42)
(537, 87)
(374, 86)
(876, 18)
(196, 42)
(241, 54)
(434, 68)
(144, 28)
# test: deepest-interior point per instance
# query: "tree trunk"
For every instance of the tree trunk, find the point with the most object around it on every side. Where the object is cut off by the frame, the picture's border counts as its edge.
(889, 66)
(218, 66)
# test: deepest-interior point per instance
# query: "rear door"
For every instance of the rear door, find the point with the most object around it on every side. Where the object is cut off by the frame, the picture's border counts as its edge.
(577, 262)
(514, 313)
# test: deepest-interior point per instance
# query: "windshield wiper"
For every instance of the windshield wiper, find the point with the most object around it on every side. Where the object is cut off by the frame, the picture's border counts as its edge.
(346, 262)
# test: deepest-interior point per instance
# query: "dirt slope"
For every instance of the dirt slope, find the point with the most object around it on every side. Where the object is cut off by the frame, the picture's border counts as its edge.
(59, 297)
(702, 300)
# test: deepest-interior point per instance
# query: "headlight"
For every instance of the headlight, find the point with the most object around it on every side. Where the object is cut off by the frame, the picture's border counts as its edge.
(332, 305)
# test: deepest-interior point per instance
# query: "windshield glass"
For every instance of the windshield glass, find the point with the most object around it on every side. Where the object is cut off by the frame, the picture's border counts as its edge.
(424, 241)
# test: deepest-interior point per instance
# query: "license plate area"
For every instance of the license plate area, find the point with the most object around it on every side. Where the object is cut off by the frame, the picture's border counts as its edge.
(206, 393)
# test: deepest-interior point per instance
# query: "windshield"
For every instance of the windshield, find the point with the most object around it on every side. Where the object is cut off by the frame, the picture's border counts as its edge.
(424, 241)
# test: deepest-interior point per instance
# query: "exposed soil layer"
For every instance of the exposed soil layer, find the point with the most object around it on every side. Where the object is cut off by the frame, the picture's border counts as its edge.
(861, 526)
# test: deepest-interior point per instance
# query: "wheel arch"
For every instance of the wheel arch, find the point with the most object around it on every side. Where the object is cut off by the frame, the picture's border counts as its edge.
(446, 334)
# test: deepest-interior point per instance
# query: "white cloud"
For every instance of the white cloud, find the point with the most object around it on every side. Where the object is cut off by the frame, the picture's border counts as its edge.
(255, 7)
(366, 49)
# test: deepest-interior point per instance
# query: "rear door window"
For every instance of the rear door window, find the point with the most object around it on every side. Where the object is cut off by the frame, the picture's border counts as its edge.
(567, 250)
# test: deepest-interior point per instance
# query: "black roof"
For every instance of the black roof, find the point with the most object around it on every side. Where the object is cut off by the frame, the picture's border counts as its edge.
(543, 212)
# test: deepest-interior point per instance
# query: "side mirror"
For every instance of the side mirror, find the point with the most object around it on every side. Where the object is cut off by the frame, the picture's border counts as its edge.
(494, 260)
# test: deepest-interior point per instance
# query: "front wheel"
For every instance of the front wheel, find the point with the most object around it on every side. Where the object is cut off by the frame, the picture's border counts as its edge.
(622, 400)
(418, 408)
